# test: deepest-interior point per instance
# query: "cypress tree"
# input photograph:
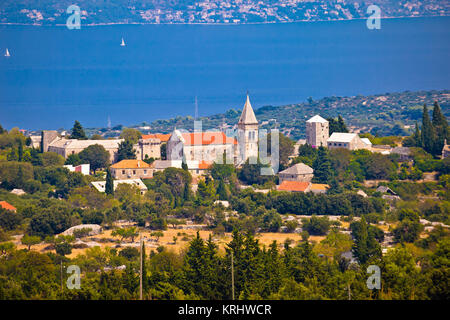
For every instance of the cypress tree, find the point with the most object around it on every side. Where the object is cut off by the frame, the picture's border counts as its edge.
(417, 136)
(441, 129)
(322, 166)
(427, 131)
(360, 249)
(20, 150)
(126, 151)
(78, 131)
(222, 190)
(186, 192)
(109, 186)
(341, 124)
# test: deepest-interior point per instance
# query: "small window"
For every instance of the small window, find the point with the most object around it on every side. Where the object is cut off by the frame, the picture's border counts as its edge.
(134, 172)
(123, 171)
(145, 171)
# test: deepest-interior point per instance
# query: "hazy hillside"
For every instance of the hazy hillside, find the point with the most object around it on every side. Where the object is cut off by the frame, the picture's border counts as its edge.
(383, 114)
(48, 12)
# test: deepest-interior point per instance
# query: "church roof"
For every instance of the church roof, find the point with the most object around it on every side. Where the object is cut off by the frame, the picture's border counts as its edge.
(207, 138)
(248, 116)
(317, 118)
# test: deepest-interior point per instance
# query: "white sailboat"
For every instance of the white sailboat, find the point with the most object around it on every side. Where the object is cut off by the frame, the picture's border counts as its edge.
(123, 43)
(7, 53)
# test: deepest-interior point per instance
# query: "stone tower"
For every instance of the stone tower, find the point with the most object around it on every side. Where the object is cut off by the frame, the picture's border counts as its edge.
(317, 131)
(247, 133)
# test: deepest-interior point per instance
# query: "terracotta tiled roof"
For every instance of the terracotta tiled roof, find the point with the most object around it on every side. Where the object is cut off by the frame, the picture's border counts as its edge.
(298, 186)
(204, 165)
(319, 186)
(7, 206)
(130, 164)
(207, 138)
(162, 137)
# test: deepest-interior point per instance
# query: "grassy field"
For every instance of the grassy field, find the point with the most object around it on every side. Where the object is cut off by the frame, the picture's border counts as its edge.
(167, 240)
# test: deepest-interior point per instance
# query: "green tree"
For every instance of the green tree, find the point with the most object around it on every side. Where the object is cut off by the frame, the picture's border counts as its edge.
(336, 125)
(222, 191)
(428, 134)
(285, 149)
(322, 167)
(109, 185)
(126, 151)
(52, 159)
(316, 225)
(30, 241)
(131, 135)
(441, 128)
(96, 155)
(74, 159)
(78, 131)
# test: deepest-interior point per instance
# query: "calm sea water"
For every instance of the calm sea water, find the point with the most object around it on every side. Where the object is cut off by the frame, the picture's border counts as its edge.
(56, 75)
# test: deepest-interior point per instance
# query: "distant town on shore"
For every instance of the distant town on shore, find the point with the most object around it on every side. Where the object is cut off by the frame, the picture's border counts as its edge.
(52, 12)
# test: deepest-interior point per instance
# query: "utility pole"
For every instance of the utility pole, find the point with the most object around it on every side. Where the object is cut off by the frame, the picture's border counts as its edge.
(140, 273)
(232, 276)
(62, 289)
(349, 292)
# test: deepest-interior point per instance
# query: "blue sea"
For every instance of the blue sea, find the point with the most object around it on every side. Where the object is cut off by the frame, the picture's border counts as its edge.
(56, 75)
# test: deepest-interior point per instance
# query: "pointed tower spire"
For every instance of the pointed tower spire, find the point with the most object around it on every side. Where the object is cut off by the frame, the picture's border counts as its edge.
(248, 116)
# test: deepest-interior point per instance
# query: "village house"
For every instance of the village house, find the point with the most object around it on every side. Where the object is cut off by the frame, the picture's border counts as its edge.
(298, 172)
(100, 185)
(350, 141)
(131, 169)
(82, 168)
(5, 205)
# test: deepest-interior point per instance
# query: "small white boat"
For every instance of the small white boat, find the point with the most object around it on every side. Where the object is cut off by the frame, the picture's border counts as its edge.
(123, 43)
(7, 53)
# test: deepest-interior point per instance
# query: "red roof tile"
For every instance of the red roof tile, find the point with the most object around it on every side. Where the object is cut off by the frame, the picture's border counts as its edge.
(162, 137)
(7, 206)
(207, 138)
(296, 186)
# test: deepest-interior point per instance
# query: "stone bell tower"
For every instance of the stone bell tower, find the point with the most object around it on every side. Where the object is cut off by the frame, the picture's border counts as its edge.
(247, 134)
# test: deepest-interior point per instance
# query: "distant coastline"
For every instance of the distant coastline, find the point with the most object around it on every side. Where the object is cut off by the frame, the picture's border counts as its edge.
(214, 23)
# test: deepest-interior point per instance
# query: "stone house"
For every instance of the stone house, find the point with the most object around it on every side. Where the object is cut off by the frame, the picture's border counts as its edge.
(298, 172)
(131, 169)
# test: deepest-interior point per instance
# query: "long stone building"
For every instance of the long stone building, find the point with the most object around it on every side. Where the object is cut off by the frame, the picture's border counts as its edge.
(52, 142)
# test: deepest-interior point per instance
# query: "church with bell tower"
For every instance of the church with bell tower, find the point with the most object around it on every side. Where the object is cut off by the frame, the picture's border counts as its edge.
(210, 146)
(247, 134)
